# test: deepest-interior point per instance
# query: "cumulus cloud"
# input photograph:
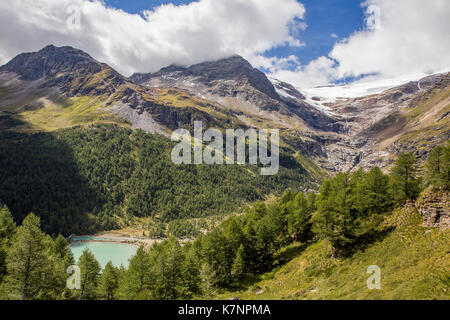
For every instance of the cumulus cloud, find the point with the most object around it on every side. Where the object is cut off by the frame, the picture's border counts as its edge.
(318, 72)
(402, 37)
(185, 34)
(409, 36)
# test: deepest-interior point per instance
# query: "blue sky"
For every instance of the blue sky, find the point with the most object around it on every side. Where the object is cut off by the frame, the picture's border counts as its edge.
(323, 17)
(400, 38)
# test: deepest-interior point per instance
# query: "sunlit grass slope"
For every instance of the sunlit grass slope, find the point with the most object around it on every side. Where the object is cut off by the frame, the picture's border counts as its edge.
(68, 113)
(414, 263)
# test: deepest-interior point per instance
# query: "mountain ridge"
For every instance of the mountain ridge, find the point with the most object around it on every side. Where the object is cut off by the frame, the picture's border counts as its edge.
(235, 84)
(343, 135)
(232, 68)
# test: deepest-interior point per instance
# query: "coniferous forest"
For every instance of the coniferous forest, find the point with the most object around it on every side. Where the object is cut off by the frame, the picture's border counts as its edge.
(88, 179)
(349, 212)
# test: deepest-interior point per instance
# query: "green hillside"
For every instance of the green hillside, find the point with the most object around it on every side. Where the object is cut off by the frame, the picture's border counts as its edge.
(87, 179)
(413, 260)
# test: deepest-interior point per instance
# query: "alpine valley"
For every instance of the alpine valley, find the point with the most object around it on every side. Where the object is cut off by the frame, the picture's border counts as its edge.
(88, 150)
(63, 101)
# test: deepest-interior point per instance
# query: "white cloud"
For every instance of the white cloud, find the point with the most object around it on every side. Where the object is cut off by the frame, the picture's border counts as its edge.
(334, 36)
(186, 34)
(318, 72)
(402, 37)
(411, 36)
(274, 64)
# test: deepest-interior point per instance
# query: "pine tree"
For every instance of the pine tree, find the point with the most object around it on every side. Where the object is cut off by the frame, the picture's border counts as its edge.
(168, 263)
(7, 225)
(157, 230)
(64, 259)
(208, 276)
(60, 247)
(335, 217)
(299, 211)
(238, 270)
(233, 237)
(90, 270)
(67, 293)
(138, 280)
(215, 253)
(264, 245)
(437, 170)
(375, 192)
(55, 284)
(404, 180)
(28, 262)
(7, 230)
(191, 273)
(108, 282)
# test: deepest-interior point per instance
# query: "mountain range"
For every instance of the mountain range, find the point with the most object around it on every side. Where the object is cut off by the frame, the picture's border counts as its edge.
(63, 87)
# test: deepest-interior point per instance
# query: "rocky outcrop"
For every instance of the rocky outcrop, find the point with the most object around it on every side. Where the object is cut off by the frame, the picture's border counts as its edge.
(434, 206)
(138, 119)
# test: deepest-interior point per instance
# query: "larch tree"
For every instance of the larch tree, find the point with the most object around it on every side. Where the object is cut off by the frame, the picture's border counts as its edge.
(7, 230)
(90, 271)
(404, 178)
(108, 282)
(28, 262)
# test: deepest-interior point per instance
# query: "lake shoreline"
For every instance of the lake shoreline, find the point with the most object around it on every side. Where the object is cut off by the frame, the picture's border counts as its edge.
(110, 237)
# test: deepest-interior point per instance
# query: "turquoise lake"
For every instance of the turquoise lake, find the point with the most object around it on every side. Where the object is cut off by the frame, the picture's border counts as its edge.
(118, 253)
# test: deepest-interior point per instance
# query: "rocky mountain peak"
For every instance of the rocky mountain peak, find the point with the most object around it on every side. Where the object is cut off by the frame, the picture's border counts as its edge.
(235, 84)
(50, 61)
(230, 68)
(233, 68)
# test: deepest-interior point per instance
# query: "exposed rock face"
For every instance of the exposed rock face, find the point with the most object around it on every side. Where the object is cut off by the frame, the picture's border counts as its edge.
(346, 135)
(287, 90)
(435, 209)
(138, 120)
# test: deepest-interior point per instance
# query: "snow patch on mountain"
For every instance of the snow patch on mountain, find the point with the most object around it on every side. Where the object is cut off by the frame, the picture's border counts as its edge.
(287, 92)
(361, 88)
